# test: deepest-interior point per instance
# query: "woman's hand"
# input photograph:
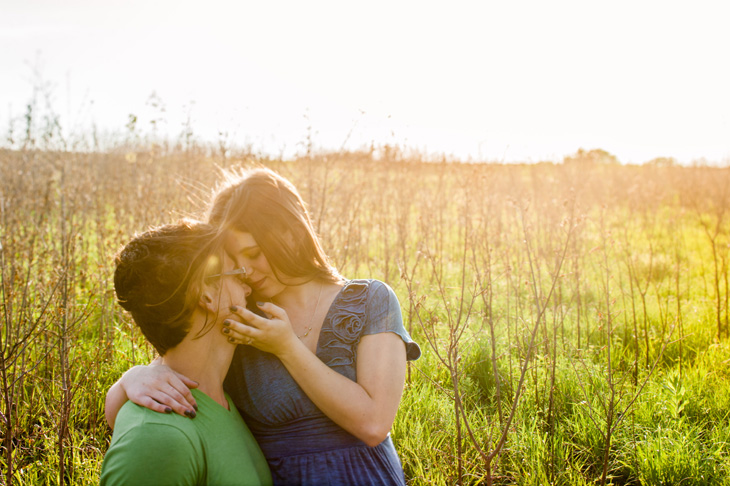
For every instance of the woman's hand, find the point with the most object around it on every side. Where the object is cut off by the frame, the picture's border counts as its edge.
(272, 335)
(365, 408)
(156, 387)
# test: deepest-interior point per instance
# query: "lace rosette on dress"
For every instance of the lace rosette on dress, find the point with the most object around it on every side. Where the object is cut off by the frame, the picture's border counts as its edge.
(347, 318)
(362, 307)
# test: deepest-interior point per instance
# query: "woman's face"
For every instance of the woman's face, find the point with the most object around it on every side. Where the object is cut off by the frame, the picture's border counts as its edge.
(245, 252)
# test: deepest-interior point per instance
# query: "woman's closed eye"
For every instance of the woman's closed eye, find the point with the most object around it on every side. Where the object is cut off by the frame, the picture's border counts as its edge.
(253, 255)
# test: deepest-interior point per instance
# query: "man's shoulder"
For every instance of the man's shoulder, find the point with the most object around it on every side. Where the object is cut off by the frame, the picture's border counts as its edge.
(135, 417)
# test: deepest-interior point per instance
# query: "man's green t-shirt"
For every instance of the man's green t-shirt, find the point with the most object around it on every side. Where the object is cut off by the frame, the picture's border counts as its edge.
(214, 448)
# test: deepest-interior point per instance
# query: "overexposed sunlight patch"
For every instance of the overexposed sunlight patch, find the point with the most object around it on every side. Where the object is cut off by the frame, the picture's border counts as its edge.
(511, 81)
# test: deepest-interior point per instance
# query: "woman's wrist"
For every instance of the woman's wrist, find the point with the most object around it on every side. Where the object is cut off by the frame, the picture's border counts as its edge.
(289, 353)
(129, 376)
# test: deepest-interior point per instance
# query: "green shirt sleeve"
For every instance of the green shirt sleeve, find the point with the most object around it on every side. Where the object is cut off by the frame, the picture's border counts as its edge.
(153, 454)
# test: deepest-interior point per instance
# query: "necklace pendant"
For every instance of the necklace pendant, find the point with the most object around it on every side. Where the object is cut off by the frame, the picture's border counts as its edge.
(314, 312)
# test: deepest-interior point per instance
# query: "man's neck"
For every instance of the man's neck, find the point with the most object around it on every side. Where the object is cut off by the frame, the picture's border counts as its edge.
(205, 360)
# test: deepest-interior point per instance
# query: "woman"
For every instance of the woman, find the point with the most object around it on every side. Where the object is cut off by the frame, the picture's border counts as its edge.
(321, 376)
(170, 280)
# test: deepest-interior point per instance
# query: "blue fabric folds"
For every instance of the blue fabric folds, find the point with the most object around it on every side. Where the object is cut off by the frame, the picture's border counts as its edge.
(301, 444)
(363, 307)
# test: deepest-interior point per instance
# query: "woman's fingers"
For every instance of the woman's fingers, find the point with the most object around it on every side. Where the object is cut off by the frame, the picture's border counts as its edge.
(239, 333)
(183, 395)
(240, 340)
(177, 402)
(160, 388)
(166, 399)
(149, 402)
(165, 405)
(188, 384)
(183, 402)
(175, 385)
(251, 319)
(274, 311)
(270, 335)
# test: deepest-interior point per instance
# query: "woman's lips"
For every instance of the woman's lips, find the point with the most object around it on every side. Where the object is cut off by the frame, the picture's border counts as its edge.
(257, 284)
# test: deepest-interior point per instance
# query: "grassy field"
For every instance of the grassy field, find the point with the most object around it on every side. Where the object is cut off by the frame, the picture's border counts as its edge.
(573, 317)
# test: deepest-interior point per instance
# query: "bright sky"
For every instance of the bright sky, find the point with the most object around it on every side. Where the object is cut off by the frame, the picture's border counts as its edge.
(509, 80)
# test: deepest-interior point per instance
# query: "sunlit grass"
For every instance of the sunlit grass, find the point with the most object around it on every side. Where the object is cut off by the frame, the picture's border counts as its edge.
(466, 248)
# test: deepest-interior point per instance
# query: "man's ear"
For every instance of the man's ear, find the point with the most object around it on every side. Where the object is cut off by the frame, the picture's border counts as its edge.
(207, 299)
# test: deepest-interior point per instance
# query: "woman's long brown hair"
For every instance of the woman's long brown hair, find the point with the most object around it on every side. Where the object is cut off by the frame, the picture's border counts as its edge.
(265, 204)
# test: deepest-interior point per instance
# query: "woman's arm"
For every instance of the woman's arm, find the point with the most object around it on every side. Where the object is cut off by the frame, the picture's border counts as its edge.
(365, 408)
(156, 387)
(115, 398)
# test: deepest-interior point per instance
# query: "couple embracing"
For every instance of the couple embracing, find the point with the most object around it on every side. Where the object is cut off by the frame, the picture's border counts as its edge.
(248, 315)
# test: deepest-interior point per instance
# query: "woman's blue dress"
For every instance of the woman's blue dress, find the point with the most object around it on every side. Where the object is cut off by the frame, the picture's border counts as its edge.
(302, 445)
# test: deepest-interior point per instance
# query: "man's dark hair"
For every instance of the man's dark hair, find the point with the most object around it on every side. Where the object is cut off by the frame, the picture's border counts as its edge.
(159, 278)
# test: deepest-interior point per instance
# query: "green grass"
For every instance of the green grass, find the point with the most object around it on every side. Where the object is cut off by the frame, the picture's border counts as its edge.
(457, 235)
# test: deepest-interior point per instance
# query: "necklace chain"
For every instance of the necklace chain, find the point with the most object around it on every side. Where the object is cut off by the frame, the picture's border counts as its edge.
(311, 319)
(314, 312)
